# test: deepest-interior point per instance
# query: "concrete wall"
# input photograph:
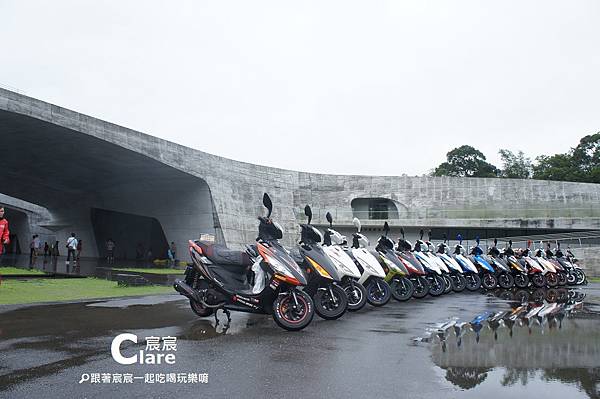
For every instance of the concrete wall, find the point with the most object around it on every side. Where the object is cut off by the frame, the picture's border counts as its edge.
(589, 258)
(110, 167)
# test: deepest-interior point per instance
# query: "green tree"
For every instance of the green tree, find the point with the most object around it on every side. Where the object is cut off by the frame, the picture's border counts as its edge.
(586, 159)
(581, 163)
(515, 166)
(466, 161)
(553, 167)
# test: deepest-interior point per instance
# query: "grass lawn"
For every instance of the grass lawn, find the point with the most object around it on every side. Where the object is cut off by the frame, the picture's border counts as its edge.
(11, 271)
(54, 290)
(150, 270)
(594, 279)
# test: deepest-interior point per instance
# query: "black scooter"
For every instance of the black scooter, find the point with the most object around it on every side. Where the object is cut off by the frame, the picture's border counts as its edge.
(330, 299)
(218, 279)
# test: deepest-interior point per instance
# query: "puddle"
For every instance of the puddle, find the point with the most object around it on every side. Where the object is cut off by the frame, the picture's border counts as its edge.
(534, 341)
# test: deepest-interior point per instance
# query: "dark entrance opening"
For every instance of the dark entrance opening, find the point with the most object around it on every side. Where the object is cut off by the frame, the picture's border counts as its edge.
(135, 236)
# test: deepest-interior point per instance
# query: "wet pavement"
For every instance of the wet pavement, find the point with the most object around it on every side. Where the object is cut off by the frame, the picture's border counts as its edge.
(540, 343)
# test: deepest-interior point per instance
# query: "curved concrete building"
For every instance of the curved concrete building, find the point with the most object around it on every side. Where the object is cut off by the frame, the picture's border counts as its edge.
(101, 180)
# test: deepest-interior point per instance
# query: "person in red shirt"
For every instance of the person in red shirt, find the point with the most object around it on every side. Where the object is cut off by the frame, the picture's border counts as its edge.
(4, 233)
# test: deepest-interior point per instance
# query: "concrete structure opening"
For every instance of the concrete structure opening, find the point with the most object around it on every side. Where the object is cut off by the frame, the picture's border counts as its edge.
(136, 237)
(374, 208)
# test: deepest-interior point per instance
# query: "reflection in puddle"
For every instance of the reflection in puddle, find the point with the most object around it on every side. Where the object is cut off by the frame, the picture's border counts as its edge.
(535, 343)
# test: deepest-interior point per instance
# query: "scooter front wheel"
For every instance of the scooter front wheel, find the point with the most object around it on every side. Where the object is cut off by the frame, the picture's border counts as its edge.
(330, 302)
(357, 296)
(506, 280)
(562, 279)
(473, 282)
(489, 281)
(521, 280)
(437, 285)
(378, 292)
(571, 277)
(459, 283)
(538, 280)
(293, 310)
(421, 287)
(448, 283)
(551, 279)
(402, 289)
(581, 278)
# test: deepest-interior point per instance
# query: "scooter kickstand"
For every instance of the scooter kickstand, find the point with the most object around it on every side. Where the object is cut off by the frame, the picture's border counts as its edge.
(227, 313)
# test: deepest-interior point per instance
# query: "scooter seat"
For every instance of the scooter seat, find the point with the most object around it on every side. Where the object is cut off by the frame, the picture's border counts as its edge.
(222, 255)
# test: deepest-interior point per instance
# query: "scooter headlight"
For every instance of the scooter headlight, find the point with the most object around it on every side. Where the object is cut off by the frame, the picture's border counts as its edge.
(390, 265)
(319, 268)
(279, 267)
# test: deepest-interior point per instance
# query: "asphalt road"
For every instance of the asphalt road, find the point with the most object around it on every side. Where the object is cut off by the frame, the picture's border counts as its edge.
(45, 349)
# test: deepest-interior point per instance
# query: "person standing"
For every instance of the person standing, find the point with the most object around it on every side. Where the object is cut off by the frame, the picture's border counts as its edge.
(46, 249)
(172, 254)
(32, 253)
(79, 248)
(4, 233)
(71, 247)
(110, 251)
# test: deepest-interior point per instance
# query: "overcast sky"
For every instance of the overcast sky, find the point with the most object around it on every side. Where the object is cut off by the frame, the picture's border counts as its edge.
(369, 87)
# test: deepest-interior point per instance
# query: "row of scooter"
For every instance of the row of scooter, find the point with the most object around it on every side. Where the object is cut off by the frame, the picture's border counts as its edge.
(328, 276)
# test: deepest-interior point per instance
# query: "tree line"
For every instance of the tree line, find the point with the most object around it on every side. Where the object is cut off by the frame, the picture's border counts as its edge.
(579, 164)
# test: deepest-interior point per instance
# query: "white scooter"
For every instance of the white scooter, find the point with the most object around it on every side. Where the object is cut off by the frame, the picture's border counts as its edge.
(372, 278)
(347, 269)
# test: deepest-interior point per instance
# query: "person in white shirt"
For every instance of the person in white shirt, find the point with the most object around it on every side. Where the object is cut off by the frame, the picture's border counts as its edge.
(71, 247)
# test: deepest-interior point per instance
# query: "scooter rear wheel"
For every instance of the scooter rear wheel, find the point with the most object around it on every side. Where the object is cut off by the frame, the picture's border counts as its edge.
(293, 318)
(402, 289)
(357, 296)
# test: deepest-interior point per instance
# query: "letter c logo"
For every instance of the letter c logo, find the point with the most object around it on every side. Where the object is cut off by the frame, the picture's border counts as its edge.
(115, 348)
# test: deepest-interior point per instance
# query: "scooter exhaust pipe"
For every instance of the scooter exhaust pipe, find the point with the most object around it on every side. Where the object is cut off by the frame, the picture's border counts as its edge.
(185, 290)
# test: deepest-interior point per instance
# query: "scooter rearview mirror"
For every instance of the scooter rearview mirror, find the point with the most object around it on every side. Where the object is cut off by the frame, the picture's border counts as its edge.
(268, 204)
(356, 224)
(329, 218)
(308, 212)
(386, 228)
